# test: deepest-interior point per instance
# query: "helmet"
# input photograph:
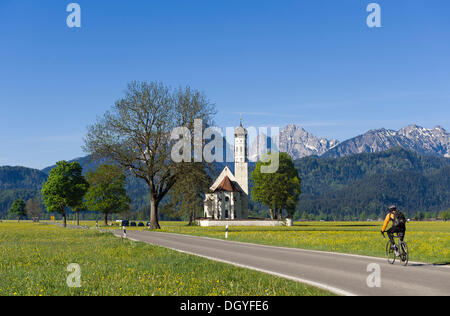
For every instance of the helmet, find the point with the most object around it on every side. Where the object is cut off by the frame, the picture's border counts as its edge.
(392, 208)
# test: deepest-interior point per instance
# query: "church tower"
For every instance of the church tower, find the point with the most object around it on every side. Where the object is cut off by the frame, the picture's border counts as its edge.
(241, 164)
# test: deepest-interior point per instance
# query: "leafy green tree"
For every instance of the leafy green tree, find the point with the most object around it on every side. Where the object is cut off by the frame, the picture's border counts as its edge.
(107, 192)
(65, 187)
(445, 215)
(304, 216)
(420, 216)
(363, 216)
(279, 190)
(18, 208)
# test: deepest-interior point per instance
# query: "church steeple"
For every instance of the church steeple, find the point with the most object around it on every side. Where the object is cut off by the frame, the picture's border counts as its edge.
(240, 144)
(241, 165)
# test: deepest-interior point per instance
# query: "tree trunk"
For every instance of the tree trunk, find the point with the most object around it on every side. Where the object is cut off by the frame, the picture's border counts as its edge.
(154, 221)
(191, 218)
(271, 214)
(106, 219)
(77, 213)
(64, 220)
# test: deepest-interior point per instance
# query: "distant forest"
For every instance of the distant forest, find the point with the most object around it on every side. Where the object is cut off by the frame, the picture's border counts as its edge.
(363, 186)
(357, 187)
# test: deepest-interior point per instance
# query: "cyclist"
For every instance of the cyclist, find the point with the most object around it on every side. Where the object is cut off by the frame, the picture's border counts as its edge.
(398, 225)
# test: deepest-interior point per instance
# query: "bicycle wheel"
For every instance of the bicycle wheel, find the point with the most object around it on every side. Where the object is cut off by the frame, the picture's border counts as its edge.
(390, 253)
(404, 256)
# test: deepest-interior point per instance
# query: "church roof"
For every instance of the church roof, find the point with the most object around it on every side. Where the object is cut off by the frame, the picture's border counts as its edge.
(228, 186)
(240, 130)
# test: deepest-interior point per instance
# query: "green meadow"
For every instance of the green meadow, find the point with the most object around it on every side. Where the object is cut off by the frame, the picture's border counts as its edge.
(34, 258)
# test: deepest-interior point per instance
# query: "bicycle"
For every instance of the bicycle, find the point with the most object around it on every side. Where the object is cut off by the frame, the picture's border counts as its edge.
(402, 251)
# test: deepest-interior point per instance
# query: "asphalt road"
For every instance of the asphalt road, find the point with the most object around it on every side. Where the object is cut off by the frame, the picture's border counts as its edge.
(339, 273)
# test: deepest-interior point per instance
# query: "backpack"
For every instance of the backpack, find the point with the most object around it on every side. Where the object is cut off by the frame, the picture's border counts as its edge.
(399, 218)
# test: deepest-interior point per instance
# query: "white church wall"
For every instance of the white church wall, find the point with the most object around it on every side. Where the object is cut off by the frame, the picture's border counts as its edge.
(242, 222)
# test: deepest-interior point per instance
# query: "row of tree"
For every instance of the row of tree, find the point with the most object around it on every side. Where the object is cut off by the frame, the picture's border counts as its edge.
(102, 191)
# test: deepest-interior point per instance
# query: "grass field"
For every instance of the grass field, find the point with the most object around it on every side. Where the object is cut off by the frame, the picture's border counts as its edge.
(34, 258)
(427, 241)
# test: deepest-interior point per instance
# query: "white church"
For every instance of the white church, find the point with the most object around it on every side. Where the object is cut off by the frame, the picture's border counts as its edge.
(228, 197)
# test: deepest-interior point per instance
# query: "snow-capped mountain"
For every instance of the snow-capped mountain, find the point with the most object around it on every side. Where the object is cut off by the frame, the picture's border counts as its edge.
(295, 141)
(299, 143)
(435, 141)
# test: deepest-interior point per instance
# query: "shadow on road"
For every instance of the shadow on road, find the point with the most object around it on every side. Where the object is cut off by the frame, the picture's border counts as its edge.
(437, 264)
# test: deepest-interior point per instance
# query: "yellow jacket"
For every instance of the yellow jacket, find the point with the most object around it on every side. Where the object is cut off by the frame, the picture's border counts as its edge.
(389, 217)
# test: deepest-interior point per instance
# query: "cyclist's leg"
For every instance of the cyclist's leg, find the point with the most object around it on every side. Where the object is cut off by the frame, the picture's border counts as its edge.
(390, 232)
(401, 232)
(403, 247)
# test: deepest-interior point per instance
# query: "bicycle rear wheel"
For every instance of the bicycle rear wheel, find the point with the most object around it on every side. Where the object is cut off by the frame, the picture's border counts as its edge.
(404, 255)
(390, 253)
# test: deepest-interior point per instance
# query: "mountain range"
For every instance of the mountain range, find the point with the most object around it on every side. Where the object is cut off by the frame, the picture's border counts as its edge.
(435, 142)
(299, 143)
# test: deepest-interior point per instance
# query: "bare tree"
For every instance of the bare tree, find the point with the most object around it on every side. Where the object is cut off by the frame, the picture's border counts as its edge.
(34, 208)
(136, 133)
(187, 196)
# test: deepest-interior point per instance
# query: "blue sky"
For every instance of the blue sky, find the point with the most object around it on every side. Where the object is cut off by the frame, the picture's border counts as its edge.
(314, 63)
